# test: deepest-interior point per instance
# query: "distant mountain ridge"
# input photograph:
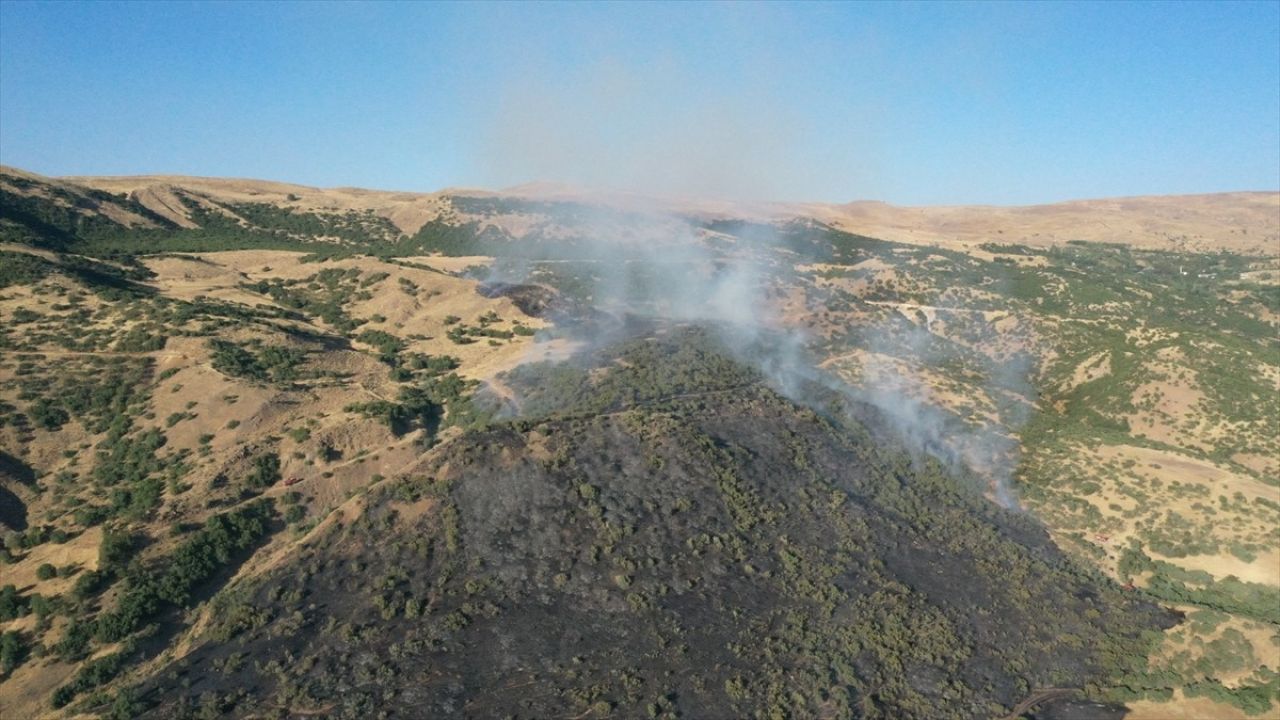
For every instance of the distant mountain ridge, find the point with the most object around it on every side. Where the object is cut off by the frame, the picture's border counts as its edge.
(1241, 222)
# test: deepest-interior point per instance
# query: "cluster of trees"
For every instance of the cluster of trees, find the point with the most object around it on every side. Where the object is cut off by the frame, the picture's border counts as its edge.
(326, 301)
(275, 363)
(435, 401)
(22, 268)
(1253, 699)
(147, 590)
(459, 239)
(222, 539)
(414, 410)
(431, 364)
(55, 218)
(58, 219)
(16, 542)
(103, 278)
(103, 395)
(366, 228)
(93, 674)
(265, 471)
(48, 414)
(128, 464)
(1174, 584)
(388, 345)
(412, 366)
(463, 334)
(140, 339)
(50, 216)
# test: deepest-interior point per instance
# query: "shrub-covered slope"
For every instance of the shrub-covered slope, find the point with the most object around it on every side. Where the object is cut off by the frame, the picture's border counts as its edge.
(723, 553)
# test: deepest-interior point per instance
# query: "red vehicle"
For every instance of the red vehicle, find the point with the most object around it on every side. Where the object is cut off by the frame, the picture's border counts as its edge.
(292, 481)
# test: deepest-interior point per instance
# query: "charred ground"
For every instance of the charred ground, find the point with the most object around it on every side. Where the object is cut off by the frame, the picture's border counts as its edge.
(713, 552)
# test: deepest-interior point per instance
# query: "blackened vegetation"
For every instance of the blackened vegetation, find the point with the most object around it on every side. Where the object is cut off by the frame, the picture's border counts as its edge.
(642, 372)
(686, 549)
(533, 300)
(560, 308)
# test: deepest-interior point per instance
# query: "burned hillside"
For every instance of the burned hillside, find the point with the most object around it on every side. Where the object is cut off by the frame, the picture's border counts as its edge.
(713, 552)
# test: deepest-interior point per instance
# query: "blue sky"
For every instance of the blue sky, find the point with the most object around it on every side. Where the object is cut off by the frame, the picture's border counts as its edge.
(910, 103)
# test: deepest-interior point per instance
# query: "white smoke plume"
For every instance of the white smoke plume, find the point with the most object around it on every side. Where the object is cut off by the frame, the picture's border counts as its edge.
(663, 124)
(663, 267)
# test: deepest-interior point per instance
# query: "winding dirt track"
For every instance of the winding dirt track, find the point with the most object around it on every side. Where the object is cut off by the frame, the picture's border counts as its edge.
(93, 353)
(1038, 697)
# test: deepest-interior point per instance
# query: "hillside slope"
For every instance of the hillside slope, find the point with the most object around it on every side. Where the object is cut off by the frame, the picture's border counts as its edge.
(705, 550)
(1242, 222)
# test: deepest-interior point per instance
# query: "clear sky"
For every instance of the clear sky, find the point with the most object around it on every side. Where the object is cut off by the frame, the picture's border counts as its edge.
(1003, 103)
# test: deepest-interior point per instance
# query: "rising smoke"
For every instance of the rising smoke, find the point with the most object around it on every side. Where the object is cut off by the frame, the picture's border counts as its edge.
(667, 125)
(666, 269)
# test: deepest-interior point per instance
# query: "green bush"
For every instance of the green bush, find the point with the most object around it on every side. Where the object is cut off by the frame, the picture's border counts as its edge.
(13, 650)
(48, 415)
(12, 605)
(265, 472)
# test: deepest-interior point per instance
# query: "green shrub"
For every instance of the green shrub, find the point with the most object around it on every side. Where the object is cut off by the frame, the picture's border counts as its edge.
(265, 472)
(13, 650)
(48, 415)
(12, 605)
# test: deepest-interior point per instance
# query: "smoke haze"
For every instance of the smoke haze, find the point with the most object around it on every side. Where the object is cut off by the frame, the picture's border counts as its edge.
(603, 115)
(657, 120)
(641, 263)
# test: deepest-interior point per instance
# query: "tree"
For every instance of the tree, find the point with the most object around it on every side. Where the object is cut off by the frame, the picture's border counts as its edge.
(12, 651)
(47, 415)
(265, 472)
(11, 604)
(114, 550)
